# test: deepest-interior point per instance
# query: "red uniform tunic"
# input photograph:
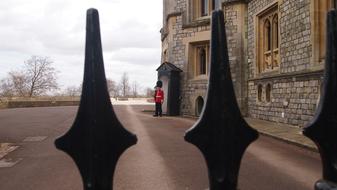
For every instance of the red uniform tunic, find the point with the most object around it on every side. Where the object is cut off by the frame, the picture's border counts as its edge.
(159, 96)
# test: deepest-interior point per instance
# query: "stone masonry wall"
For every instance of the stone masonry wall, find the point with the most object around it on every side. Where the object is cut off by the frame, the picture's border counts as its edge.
(179, 59)
(236, 37)
(254, 7)
(294, 89)
(191, 88)
(297, 100)
(295, 30)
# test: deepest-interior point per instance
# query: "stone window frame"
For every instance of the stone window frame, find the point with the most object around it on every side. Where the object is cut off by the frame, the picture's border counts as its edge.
(204, 7)
(201, 60)
(197, 11)
(259, 97)
(196, 47)
(268, 91)
(267, 35)
(318, 11)
(264, 93)
(261, 53)
(276, 33)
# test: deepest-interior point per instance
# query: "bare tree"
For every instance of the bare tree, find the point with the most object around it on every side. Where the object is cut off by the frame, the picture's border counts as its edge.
(73, 91)
(19, 83)
(124, 85)
(15, 84)
(36, 78)
(41, 76)
(6, 88)
(112, 88)
(135, 89)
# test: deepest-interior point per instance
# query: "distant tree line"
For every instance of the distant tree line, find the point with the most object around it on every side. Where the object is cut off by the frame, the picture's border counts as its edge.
(122, 89)
(38, 77)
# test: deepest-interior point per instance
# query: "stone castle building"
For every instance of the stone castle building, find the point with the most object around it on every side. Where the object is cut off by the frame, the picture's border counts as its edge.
(276, 51)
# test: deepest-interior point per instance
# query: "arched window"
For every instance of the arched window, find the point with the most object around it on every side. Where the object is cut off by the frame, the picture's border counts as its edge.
(275, 42)
(268, 40)
(202, 61)
(267, 35)
(199, 103)
(204, 7)
(320, 10)
(275, 32)
(268, 93)
(259, 93)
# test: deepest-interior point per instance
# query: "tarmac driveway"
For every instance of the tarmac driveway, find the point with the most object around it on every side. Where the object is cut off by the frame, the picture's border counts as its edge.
(161, 160)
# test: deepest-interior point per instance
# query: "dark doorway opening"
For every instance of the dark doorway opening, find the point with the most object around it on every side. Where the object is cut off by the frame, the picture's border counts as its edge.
(199, 103)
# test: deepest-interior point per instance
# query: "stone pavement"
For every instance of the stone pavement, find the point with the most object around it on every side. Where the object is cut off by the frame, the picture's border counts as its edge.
(288, 133)
(161, 160)
(131, 101)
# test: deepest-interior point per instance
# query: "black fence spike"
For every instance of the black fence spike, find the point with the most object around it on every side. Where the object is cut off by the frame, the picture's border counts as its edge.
(96, 139)
(221, 134)
(325, 185)
(323, 127)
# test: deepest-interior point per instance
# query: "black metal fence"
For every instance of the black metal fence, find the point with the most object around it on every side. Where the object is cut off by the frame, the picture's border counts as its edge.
(97, 139)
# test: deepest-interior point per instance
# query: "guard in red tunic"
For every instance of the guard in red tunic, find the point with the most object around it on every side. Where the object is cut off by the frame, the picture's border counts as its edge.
(158, 99)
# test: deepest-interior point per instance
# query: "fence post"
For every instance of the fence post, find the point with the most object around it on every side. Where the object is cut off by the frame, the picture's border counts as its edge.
(96, 139)
(323, 128)
(221, 134)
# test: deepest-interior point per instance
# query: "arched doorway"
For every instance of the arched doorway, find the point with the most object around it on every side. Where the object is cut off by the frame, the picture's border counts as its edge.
(199, 103)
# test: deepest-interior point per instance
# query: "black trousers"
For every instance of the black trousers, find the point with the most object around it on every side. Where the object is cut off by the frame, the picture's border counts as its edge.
(158, 109)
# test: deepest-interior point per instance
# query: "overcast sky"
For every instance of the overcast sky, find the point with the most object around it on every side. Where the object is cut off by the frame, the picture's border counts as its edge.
(56, 28)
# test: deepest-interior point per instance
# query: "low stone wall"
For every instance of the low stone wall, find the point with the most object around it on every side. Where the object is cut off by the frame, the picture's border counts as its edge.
(23, 104)
(38, 102)
(3, 105)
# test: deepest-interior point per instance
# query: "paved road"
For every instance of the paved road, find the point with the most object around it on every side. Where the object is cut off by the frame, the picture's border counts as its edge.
(161, 160)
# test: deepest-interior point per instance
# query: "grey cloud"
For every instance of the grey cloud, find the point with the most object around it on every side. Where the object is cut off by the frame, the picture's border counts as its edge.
(139, 56)
(131, 34)
(145, 75)
(56, 28)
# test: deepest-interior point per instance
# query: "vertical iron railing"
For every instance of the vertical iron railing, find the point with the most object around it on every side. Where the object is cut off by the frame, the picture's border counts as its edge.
(97, 139)
(221, 133)
(323, 128)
